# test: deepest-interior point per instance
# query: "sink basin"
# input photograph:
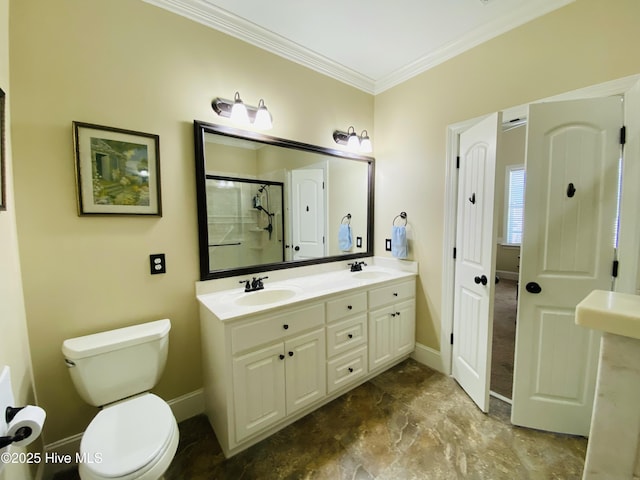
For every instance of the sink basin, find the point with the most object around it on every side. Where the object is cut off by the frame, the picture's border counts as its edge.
(611, 312)
(371, 275)
(264, 297)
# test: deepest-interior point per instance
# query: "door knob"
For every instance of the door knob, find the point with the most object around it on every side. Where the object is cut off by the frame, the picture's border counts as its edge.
(481, 280)
(533, 287)
(296, 248)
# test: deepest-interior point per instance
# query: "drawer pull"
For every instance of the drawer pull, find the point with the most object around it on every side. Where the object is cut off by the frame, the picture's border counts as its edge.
(349, 307)
(281, 357)
(350, 335)
(285, 326)
(350, 369)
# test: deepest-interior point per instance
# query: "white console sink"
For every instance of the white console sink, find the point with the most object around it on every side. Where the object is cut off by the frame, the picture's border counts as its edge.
(612, 312)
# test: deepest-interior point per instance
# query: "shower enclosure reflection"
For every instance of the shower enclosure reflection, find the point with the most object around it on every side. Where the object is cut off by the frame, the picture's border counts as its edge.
(244, 221)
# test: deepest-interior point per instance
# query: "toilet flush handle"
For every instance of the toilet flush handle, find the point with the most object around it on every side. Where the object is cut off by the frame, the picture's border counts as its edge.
(69, 363)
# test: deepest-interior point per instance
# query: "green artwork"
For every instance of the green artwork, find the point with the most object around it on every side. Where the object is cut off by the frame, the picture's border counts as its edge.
(120, 172)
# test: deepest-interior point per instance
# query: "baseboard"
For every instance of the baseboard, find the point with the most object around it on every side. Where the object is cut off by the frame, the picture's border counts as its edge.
(188, 405)
(507, 275)
(428, 356)
(183, 408)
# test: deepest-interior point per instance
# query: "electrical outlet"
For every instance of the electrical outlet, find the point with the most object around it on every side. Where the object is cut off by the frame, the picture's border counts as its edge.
(157, 263)
(359, 242)
(387, 244)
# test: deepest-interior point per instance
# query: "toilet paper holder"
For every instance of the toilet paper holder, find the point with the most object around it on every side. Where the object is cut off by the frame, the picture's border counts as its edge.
(21, 433)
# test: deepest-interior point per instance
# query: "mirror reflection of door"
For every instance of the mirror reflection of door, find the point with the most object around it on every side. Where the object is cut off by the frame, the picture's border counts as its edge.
(308, 213)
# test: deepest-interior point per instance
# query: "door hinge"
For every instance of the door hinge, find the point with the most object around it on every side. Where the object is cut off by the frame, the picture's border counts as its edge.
(323, 239)
(614, 269)
(452, 339)
(454, 253)
(623, 135)
(458, 161)
(323, 185)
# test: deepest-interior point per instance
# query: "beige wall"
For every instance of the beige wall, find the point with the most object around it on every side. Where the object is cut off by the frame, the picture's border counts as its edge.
(584, 43)
(14, 346)
(130, 65)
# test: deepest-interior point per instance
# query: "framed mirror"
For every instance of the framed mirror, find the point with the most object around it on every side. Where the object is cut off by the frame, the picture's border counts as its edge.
(267, 203)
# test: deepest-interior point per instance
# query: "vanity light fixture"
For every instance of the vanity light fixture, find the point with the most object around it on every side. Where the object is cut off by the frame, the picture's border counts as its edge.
(243, 114)
(355, 143)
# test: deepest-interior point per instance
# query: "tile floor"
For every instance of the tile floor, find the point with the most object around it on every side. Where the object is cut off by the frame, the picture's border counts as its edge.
(407, 423)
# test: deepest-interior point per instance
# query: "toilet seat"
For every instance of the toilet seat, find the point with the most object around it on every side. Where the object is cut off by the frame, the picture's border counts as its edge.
(129, 438)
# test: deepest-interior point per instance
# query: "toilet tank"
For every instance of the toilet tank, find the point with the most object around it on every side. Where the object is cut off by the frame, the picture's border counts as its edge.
(109, 366)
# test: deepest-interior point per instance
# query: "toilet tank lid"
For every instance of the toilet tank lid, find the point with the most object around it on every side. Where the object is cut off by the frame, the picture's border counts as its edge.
(97, 343)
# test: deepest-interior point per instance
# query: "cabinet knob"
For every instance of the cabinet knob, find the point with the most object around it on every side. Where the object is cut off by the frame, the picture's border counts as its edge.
(395, 294)
(281, 357)
(291, 354)
(349, 307)
(393, 314)
(350, 335)
(350, 370)
(398, 313)
(285, 326)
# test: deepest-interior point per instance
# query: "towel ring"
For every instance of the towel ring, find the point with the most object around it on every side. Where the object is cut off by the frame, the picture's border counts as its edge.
(348, 217)
(403, 216)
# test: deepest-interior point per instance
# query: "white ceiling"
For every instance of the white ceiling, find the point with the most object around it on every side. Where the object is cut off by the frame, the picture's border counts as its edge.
(370, 44)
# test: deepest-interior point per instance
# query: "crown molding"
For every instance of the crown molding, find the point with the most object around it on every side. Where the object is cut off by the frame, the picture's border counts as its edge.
(225, 22)
(467, 42)
(206, 14)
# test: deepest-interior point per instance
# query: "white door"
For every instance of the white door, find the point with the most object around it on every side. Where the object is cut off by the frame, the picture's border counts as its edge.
(475, 260)
(573, 152)
(308, 211)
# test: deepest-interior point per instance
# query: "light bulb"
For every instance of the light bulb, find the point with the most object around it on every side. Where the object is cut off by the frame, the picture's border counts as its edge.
(239, 113)
(353, 143)
(263, 117)
(365, 142)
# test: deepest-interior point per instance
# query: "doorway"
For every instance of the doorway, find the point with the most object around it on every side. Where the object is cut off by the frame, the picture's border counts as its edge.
(451, 206)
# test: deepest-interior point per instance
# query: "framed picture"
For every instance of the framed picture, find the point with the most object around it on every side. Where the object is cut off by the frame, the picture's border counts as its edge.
(118, 171)
(3, 198)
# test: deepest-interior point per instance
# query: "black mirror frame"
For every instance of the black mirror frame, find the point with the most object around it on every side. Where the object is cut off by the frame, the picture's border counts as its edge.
(200, 129)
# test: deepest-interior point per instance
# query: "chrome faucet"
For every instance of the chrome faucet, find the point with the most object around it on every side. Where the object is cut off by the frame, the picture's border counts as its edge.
(253, 284)
(357, 266)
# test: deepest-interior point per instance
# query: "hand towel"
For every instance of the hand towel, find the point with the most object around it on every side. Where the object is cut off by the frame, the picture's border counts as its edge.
(399, 241)
(344, 237)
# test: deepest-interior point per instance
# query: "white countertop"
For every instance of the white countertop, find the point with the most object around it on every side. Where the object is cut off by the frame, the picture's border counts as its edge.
(226, 304)
(612, 312)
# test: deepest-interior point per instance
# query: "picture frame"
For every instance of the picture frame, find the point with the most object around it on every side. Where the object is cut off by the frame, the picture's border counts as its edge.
(3, 158)
(117, 171)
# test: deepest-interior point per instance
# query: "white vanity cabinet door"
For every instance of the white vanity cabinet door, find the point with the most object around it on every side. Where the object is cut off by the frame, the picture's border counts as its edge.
(306, 379)
(391, 333)
(258, 388)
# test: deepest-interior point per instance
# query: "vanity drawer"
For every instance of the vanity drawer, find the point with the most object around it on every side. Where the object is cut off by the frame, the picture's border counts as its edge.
(274, 327)
(392, 293)
(347, 369)
(344, 335)
(345, 306)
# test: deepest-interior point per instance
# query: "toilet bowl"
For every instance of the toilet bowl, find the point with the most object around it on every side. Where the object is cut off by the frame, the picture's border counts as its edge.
(135, 435)
(135, 438)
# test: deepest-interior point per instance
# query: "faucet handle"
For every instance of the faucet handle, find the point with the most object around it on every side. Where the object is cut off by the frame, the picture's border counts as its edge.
(247, 284)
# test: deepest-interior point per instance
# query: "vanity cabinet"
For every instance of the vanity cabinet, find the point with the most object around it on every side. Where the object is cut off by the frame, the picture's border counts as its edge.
(281, 378)
(277, 380)
(391, 323)
(264, 370)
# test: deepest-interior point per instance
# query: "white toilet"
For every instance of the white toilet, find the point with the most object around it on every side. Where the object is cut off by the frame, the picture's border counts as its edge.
(135, 434)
